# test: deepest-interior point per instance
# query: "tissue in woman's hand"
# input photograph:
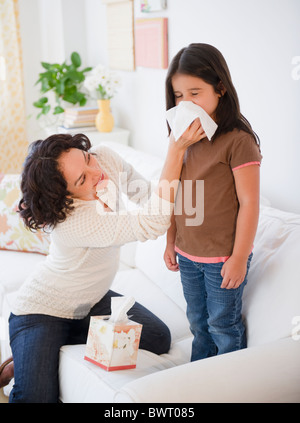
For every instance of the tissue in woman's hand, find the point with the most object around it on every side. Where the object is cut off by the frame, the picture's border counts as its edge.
(113, 341)
(181, 116)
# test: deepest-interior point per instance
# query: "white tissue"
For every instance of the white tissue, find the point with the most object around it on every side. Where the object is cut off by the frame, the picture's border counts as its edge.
(119, 308)
(109, 196)
(181, 116)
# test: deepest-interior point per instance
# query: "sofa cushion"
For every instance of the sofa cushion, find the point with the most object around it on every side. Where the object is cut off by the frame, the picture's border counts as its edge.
(150, 252)
(271, 297)
(18, 265)
(81, 381)
(265, 374)
(134, 282)
(4, 332)
(13, 234)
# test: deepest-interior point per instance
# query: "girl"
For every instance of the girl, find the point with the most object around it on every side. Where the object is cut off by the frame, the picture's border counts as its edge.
(60, 185)
(214, 257)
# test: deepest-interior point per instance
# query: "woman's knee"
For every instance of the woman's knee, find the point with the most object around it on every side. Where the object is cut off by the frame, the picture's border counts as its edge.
(164, 343)
(157, 339)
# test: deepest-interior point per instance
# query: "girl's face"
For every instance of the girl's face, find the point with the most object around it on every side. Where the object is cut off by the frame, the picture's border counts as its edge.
(192, 88)
(82, 172)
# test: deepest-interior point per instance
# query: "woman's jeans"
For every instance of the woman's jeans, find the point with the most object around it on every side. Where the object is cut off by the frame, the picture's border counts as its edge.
(36, 340)
(214, 313)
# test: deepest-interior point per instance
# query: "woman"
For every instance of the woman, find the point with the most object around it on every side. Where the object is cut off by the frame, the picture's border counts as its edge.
(75, 194)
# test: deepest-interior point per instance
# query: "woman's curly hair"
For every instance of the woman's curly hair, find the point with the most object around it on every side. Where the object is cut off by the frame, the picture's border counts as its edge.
(45, 199)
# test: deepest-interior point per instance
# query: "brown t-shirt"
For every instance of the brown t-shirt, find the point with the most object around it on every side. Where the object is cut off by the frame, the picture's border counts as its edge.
(208, 234)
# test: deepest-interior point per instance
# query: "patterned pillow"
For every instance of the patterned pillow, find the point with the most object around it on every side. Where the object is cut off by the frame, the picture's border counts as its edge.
(13, 234)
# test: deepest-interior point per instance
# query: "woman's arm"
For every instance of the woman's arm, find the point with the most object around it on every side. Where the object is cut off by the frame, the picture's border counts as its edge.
(134, 185)
(247, 188)
(86, 228)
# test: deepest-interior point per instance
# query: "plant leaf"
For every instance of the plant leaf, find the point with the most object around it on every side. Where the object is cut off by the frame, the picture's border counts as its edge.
(46, 65)
(83, 101)
(58, 110)
(45, 85)
(86, 70)
(41, 102)
(70, 98)
(46, 109)
(79, 95)
(76, 76)
(75, 59)
(60, 87)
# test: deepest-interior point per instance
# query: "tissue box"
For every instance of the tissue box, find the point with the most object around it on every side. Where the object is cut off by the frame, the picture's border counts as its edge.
(113, 346)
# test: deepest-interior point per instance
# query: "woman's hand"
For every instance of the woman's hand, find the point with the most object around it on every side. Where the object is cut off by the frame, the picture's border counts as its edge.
(170, 258)
(192, 134)
(233, 272)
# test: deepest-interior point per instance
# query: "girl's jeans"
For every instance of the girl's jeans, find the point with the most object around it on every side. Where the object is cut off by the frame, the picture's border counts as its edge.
(36, 340)
(214, 313)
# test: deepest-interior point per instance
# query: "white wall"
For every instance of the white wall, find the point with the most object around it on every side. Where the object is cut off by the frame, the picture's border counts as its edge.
(259, 39)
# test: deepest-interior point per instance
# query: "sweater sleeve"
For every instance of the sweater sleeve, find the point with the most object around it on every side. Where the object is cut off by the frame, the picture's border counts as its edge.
(134, 185)
(130, 182)
(85, 228)
(90, 227)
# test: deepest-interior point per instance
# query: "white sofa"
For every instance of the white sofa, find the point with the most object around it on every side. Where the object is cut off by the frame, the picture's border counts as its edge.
(267, 371)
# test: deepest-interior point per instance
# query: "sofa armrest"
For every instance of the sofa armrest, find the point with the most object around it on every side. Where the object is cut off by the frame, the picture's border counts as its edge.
(266, 373)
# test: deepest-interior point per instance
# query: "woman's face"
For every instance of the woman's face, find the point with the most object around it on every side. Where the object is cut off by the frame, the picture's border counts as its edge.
(82, 172)
(192, 88)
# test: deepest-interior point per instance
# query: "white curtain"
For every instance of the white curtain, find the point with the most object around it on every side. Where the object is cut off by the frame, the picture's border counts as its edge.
(13, 139)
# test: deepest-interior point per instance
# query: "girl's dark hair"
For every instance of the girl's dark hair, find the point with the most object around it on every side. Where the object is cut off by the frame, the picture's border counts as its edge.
(206, 62)
(45, 199)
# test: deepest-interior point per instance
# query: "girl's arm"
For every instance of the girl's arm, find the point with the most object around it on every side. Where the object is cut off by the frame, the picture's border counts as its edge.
(169, 178)
(247, 188)
(170, 253)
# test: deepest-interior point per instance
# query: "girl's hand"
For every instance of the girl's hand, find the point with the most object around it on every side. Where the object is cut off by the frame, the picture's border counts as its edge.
(233, 272)
(192, 134)
(170, 175)
(170, 258)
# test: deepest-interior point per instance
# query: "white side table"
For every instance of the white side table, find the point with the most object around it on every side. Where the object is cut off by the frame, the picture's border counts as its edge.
(119, 135)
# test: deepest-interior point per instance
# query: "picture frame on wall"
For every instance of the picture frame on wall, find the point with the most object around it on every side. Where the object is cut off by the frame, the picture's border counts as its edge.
(115, 1)
(120, 34)
(148, 6)
(151, 42)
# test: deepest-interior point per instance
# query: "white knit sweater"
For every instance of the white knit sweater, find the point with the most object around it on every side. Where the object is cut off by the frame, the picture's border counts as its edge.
(84, 250)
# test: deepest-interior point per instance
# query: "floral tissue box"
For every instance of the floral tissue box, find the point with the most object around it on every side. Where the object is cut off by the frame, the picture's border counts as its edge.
(113, 345)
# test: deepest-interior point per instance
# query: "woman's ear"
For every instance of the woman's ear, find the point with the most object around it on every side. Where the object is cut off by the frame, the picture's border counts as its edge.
(221, 89)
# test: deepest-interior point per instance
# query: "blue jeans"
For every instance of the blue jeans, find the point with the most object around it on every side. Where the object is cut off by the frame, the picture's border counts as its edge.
(214, 313)
(36, 340)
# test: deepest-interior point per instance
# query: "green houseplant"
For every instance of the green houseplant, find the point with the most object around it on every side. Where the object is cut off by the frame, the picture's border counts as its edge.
(64, 81)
